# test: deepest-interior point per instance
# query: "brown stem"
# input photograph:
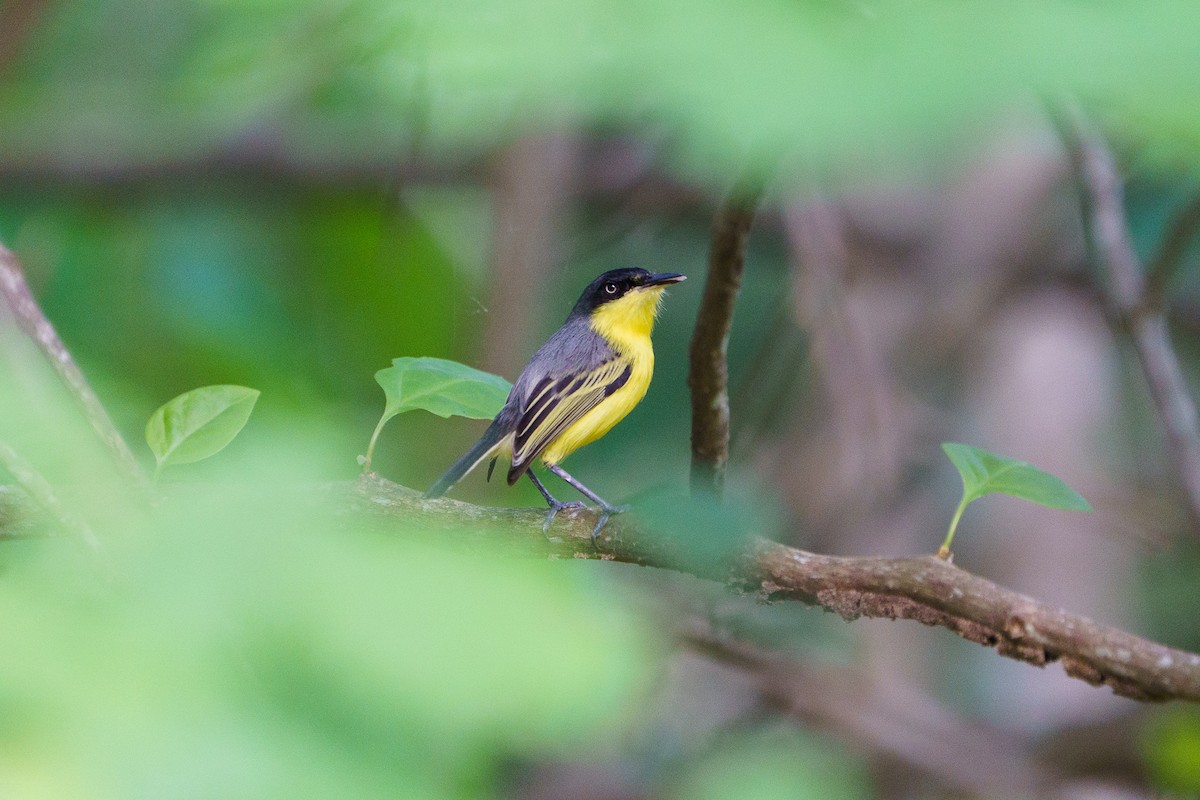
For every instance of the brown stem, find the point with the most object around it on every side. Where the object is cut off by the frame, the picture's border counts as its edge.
(708, 372)
(530, 187)
(921, 588)
(1125, 292)
(18, 300)
(18, 19)
(1179, 235)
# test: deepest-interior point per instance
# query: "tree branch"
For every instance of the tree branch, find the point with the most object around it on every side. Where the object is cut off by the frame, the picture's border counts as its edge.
(708, 369)
(20, 516)
(17, 21)
(922, 588)
(1179, 235)
(1129, 304)
(18, 300)
(43, 493)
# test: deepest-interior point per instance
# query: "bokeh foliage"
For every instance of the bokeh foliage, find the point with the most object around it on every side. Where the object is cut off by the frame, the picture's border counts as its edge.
(212, 192)
(237, 644)
(818, 84)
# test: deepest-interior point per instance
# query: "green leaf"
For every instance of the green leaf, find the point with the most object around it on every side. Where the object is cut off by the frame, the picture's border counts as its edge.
(773, 764)
(1170, 745)
(442, 387)
(199, 423)
(985, 473)
(445, 388)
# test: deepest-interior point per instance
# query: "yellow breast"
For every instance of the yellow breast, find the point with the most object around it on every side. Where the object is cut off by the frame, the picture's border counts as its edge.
(626, 325)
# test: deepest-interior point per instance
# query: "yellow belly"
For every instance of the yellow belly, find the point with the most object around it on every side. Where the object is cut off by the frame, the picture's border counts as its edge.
(600, 420)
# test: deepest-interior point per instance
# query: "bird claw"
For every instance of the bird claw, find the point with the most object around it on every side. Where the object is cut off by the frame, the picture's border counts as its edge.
(606, 513)
(599, 527)
(552, 513)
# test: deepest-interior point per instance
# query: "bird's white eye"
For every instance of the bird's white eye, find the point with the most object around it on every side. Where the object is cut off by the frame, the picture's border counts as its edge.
(611, 288)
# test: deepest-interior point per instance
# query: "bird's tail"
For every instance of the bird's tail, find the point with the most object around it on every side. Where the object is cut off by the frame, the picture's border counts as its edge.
(487, 445)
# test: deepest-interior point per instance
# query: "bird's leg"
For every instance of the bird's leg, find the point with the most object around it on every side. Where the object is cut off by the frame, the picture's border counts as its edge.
(606, 509)
(555, 505)
(585, 491)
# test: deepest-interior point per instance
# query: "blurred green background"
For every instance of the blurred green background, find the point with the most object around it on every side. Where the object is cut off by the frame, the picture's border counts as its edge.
(289, 195)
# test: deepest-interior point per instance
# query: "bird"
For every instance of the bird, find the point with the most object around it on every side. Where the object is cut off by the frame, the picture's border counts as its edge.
(584, 380)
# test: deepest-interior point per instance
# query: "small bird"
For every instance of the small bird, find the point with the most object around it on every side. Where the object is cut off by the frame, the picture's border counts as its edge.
(578, 385)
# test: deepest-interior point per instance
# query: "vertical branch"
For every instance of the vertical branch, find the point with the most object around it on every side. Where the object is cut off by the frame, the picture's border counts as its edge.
(44, 495)
(708, 368)
(530, 187)
(1182, 231)
(16, 299)
(1126, 292)
(18, 19)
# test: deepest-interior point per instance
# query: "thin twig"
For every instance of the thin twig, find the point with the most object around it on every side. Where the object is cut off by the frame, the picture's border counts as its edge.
(20, 516)
(18, 300)
(708, 370)
(923, 588)
(1125, 290)
(38, 488)
(1180, 234)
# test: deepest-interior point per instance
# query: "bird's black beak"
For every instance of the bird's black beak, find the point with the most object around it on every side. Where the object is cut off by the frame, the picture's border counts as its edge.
(662, 278)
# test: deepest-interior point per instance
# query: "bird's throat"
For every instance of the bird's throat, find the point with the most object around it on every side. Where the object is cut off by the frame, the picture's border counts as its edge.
(627, 323)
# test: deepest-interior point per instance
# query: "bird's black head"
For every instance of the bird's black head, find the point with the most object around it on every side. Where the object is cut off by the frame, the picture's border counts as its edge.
(617, 283)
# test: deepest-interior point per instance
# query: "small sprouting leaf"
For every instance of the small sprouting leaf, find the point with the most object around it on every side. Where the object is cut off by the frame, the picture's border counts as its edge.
(199, 423)
(985, 473)
(442, 387)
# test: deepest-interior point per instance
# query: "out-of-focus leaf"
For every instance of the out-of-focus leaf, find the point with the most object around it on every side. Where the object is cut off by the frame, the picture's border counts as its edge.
(707, 531)
(1167, 581)
(869, 85)
(255, 643)
(1170, 745)
(199, 423)
(775, 766)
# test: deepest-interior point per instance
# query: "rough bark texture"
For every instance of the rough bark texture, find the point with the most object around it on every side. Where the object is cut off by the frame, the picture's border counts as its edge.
(921, 588)
(935, 592)
(708, 372)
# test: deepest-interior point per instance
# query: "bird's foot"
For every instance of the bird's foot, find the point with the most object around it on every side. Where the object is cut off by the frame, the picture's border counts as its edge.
(556, 507)
(606, 512)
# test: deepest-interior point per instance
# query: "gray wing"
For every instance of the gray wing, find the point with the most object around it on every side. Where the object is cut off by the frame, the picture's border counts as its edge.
(565, 379)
